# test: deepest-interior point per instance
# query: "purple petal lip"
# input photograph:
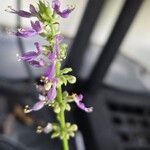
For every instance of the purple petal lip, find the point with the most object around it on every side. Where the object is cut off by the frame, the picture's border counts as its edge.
(28, 56)
(23, 13)
(20, 13)
(78, 101)
(37, 106)
(65, 13)
(25, 33)
(32, 55)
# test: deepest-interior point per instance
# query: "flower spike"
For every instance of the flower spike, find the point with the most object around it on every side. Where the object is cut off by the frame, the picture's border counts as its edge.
(50, 56)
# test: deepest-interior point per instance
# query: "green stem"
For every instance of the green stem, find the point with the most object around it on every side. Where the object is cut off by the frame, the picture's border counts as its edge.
(62, 112)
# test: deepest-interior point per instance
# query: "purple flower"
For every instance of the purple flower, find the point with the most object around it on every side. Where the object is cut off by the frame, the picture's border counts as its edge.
(52, 93)
(37, 26)
(32, 12)
(64, 13)
(50, 72)
(30, 32)
(37, 63)
(37, 106)
(30, 56)
(25, 33)
(78, 101)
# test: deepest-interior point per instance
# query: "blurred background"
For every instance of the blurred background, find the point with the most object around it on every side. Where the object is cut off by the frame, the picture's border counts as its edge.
(109, 42)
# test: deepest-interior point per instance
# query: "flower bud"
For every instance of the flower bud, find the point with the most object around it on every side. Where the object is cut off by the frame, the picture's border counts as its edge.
(71, 79)
(74, 127)
(47, 86)
(39, 130)
(68, 108)
(72, 134)
(57, 109)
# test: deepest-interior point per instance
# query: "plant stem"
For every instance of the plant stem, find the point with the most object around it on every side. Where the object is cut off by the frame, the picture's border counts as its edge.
(62, 112)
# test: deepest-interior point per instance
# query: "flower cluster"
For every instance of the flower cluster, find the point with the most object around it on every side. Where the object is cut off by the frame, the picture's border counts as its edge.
(50, 57)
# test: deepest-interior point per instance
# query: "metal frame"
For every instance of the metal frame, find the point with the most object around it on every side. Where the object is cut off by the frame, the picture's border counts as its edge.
(111, 48)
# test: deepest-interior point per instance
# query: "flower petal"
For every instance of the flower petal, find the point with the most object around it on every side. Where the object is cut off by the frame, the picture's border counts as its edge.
(83, 107)
(52, 93)
(56, 5)
(65, 13)
(37, 106)
(38, 47)
(28, 56)
(52, 56)
(25, 33)
(33, 10)
(48, 128)
(37, 26)
(78, 101)
(20, 13)
(37, 63)
(50, 72)
(42, 98)
(59, 38)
